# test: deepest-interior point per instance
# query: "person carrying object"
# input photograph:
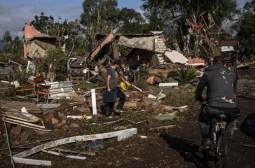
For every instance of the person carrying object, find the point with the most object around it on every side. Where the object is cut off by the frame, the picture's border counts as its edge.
(112, 85)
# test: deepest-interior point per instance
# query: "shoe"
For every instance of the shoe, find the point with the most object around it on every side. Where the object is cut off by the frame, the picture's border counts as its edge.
(206, 144)
(119, 111)
(108, 113)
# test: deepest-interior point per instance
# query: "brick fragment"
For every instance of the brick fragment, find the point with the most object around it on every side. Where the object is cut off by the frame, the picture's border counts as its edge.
(49, 116)
(139, 105)
(73, 125)
(57, 130)
(59, 125)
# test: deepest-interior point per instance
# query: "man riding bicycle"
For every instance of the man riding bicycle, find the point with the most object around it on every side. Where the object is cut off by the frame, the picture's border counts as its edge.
(221, 89)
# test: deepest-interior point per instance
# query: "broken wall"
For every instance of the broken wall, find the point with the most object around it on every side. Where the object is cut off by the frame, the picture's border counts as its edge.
(146, 43)
(138, 55)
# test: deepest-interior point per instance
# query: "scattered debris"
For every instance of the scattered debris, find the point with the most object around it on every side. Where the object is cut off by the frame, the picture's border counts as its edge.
(20, 157)
(162, 127)
(167, 84)
(164, 117)
(112, 122)
(143, 137)
(64, 155)
(137, 122)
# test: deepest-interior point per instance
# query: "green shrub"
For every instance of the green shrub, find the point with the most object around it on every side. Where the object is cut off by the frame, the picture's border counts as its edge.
(58, 59)
(185, 74)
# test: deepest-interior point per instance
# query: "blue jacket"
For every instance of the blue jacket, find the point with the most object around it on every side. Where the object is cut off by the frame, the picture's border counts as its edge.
(221, 86)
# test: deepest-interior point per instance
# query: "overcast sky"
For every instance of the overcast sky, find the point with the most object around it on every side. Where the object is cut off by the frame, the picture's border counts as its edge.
(15, 13)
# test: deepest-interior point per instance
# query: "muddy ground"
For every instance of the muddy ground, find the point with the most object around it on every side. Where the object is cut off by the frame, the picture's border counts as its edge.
(173, 147)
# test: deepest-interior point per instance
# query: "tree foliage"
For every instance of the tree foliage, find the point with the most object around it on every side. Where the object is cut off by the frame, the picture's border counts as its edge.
(13, 46)
(47, 25)
(132, 22)
(245, 28)
(175, 17)
(58, 61)
(100, 15)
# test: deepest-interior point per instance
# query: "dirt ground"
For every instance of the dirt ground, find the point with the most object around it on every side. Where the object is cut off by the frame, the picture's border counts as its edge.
(173, 147)
(178, 146)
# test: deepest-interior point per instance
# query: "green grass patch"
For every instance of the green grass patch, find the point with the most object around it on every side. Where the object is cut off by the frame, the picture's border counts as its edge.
(85, 86)
(179, 98)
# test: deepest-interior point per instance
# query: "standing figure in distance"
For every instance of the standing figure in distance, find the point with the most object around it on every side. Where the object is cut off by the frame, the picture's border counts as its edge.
(112, 84)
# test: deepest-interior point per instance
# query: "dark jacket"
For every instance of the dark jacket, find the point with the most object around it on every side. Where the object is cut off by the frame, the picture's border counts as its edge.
(221, 86)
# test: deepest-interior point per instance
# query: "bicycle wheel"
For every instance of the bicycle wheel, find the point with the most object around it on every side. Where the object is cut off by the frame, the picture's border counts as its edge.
(221, 150)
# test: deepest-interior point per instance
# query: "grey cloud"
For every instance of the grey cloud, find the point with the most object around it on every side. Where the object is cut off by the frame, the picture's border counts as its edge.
(14, 17)
(71, 12)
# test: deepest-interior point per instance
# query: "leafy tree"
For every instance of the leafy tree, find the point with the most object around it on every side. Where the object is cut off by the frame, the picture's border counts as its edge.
(13, 46)
(100, 15)
(250, 6)
(175, 16)
(245, 28)
(47, 25)
(155, 13)
(76, 42)
(58, 61)
(132, 22)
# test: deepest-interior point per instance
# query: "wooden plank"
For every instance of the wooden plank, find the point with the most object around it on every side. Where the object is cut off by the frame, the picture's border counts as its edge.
(28, 125)
(32, 161)
(130, 104)
(68, 151)
(19, 158)
(162, 127)
(167, 84)
(112, 122)
(65, 155)
(48, 106)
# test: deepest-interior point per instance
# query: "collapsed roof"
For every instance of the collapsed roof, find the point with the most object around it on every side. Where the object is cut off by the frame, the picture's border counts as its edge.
(149, 48)
(36, 44)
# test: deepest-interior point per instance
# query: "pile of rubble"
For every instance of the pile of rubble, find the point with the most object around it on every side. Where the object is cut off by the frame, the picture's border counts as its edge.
(66, 116)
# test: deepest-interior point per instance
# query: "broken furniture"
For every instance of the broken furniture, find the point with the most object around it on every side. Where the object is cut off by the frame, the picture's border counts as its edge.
(26, 90)
(76, 73)
(43, 90)
(63, 89)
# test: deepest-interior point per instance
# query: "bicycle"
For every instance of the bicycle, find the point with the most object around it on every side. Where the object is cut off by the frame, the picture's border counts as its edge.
(219, 138)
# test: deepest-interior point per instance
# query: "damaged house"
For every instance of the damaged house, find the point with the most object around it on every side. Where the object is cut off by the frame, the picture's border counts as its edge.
(36, 44)
(149, 49)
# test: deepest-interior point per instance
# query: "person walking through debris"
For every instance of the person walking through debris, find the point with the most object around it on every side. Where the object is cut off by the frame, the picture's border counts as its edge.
(112, 84)
(221, 89)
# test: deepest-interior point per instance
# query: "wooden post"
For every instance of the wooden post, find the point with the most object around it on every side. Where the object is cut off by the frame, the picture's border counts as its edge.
(94, 103)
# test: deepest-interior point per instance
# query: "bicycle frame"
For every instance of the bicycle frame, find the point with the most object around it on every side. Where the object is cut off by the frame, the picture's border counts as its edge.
(217, 124)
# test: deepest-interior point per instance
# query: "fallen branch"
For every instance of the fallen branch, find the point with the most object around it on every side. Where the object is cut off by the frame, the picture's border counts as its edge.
(137, 122)
(112, 122)
(163, 127)
(249, 146)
